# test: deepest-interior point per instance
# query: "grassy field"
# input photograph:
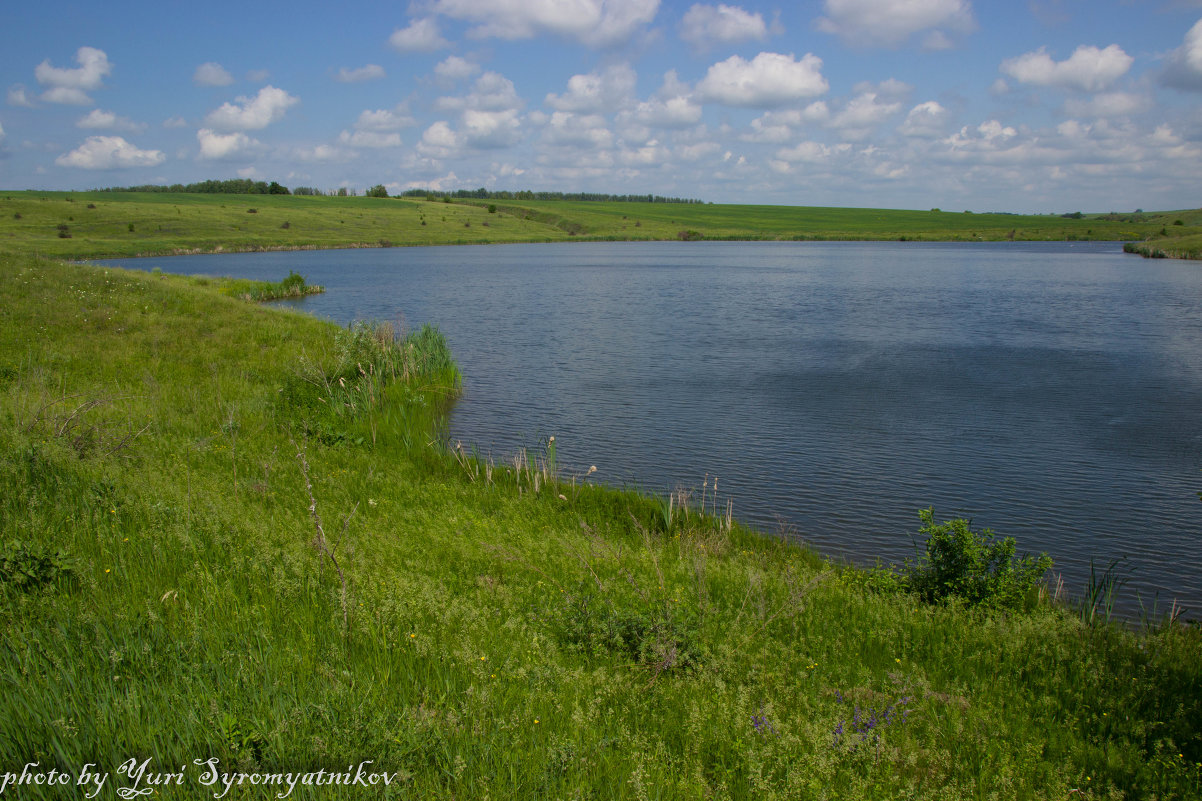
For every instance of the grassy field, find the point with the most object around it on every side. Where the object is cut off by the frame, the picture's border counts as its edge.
(231, 532)
(99, 224)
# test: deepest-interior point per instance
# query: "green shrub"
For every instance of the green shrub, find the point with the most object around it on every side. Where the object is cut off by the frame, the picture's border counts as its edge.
(294, 283)
(975, 567)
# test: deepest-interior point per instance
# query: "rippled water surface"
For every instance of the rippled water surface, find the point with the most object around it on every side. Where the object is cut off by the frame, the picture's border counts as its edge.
(1052, 392)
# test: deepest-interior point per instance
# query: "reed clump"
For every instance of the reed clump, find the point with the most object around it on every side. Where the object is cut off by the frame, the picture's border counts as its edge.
(294, 286)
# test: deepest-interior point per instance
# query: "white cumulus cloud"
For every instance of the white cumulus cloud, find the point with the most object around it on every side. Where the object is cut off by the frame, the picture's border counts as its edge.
(805, 152)
(596, 91)
(491, 129)
(587, 131)
(385, 119)
(671, 112)
(770, 79)
(212, 74)
(219, 146)
(1088, 69)
(925, 120)
(992, 129)
(1109, 104)
(108, 121)
(599, 23)
(109, 153)
(454, 68)
(70, 86)
(890, 23)
(698, 151)
(422, 36)
(704, 26)
(17, 97)
(673, 106)
(252, 113)
(67, 96)
(988, 136)
(439, 141)
(1184, 66)
(491, 92)
(370, 139)
(777, 127)
(322, 154)
(864, 111)
(369, 72)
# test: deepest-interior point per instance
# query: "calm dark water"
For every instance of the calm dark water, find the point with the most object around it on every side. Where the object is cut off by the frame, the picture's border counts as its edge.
(1051, 392)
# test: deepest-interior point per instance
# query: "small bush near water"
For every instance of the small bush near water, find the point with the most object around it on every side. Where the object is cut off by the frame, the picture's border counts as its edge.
(974, 567)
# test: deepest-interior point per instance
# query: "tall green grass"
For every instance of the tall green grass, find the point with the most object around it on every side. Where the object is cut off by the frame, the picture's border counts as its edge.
(493, 629)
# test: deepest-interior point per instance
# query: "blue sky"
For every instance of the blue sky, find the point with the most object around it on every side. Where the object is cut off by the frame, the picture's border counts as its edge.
(1026, 106)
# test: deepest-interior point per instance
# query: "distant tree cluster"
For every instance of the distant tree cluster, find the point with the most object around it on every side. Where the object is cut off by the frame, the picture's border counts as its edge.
(484, 194)
(234, 186)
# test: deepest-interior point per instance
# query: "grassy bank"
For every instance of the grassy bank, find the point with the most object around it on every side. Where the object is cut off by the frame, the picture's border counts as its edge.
(99, 224)
(230, 531)
(1179, 237)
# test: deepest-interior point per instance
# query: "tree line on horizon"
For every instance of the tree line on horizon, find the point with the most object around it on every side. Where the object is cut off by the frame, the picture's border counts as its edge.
(233, 186)
(245, 186)
(502, 194)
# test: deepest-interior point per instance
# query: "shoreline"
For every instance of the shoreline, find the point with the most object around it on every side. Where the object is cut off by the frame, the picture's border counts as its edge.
(1126, 245)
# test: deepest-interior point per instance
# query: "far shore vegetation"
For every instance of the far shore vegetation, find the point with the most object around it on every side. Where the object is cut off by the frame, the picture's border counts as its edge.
(236, 532)
(242, 215)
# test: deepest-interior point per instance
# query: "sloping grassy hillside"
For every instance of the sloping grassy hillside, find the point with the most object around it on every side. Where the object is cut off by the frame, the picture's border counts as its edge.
(711, 221)
(229, 532)
(1179, 236)
(98, 224)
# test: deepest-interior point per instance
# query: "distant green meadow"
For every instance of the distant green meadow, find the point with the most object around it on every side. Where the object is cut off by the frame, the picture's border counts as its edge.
(99, 224)
(235, 550)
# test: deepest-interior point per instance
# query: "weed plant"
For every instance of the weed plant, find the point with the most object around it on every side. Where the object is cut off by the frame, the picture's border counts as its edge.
(286, 568)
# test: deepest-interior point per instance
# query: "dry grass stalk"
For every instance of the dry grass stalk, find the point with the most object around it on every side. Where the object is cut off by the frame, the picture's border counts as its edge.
(320, 541)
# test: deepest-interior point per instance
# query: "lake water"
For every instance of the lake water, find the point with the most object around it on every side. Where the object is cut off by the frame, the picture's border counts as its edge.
(1051, 392)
